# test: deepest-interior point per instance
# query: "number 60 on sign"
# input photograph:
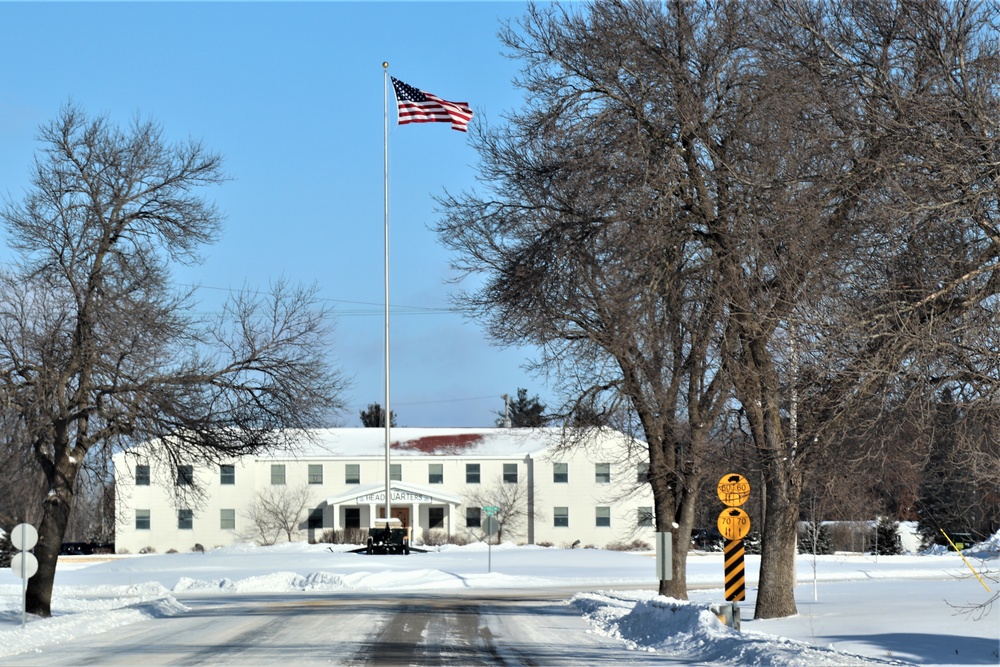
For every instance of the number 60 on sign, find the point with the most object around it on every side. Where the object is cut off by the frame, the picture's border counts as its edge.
(733, 489)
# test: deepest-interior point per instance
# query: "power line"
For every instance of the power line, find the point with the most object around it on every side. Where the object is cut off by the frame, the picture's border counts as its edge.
(376, 308)
(446, 400)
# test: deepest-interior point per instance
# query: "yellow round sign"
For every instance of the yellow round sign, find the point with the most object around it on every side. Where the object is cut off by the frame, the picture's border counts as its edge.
(734, 523)
(733, 490)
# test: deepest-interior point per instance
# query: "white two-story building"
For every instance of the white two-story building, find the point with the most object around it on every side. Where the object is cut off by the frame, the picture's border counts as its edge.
(440, 480)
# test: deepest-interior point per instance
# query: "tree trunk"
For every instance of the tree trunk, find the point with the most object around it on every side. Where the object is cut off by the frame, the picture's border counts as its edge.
(675, 507)
(665, 506)
(55, 518)
(776, 589)
(759, 391)
(677, 587)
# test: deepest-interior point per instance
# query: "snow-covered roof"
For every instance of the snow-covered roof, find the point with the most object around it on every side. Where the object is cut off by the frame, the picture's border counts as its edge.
(353, 443)
(464, 442)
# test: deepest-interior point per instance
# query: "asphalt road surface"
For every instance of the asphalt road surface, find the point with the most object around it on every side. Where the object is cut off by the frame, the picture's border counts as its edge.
(466, 628)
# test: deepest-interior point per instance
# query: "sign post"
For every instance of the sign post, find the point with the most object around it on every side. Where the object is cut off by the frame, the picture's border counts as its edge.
(734, 524)
(492, 528)
(24, 564)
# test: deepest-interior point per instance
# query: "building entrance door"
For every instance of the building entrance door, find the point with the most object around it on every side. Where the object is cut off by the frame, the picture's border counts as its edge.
(401, 513)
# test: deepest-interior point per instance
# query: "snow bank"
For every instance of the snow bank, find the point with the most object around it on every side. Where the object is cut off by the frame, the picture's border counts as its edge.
(278, 582)
(987, 549)
(692, 632)
(76, 618)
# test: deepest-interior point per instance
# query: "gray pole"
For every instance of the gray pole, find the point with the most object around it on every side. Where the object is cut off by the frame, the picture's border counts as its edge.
(385, 162)
(24, 574)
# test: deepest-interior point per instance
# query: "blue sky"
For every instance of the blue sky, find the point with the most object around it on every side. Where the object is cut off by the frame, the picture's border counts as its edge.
(291, 95)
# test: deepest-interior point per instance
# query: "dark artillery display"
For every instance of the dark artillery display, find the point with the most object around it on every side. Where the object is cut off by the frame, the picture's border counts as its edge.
(388, 537)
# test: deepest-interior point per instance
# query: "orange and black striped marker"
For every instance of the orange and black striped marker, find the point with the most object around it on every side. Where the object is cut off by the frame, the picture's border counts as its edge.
(735, 578)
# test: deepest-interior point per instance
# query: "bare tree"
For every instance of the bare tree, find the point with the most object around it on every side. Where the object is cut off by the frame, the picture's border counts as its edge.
(586, 247)
(979, 610)
(952, 497)
(275, 510)
(93, 515)
(872, 245)
(793, 202)
(22, 486)
(97, 350)
(510, 499)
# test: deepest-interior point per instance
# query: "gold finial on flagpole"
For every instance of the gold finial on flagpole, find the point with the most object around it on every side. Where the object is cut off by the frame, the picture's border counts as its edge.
(385, 65)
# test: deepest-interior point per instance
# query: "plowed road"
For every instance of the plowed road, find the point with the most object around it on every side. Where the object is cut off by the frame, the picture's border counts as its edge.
(468, 628)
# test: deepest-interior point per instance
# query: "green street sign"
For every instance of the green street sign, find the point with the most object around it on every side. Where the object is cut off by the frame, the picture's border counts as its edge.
(490, 510)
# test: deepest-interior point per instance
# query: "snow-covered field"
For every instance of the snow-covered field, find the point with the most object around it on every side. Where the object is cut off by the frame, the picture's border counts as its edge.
(856, 610)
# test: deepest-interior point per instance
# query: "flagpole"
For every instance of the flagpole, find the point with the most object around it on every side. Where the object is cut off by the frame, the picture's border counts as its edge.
(385, 161)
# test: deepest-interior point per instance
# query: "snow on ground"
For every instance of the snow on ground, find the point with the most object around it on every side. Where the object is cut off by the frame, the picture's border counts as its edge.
(853, 609)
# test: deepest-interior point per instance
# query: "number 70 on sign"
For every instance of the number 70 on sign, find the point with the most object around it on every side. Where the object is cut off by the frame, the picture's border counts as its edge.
(734, 523)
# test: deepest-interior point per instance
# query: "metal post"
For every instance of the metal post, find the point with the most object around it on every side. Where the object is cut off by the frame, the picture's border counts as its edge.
(385, 163)
(815, 538)
(24, 573)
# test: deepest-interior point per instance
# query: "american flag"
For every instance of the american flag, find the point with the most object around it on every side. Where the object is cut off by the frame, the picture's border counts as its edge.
(419, 106)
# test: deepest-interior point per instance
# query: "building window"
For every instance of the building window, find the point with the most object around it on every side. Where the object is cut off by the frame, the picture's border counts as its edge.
(315, 519)
(185, 475)
(142, 519)
(396, 472)
(227, 519)
(642, 473)
(277, 473)
(315, 473)
(472, 473)
(473, 517)
(602, 473)
(603, 517)
(560, 517)
(560, 473)
(352, 517)
(435, 517)
(142, 475)
(645, 518)
(435, 473)
(352, 473)
(185, 519)
(510, 473)
(227, 473)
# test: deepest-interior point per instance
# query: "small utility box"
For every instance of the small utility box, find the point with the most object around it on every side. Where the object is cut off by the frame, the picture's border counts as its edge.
(664, 556)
